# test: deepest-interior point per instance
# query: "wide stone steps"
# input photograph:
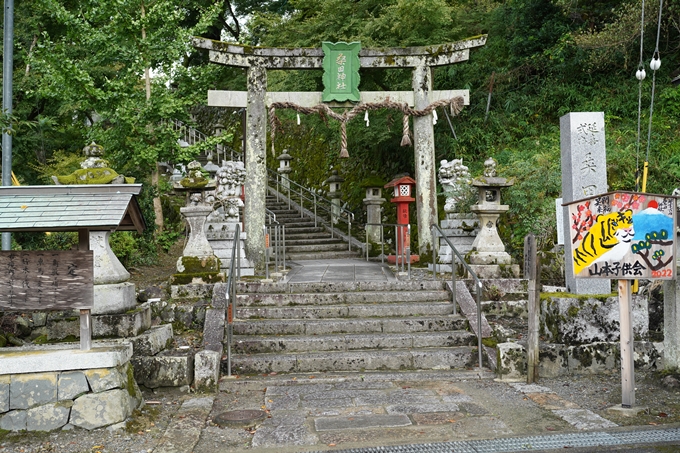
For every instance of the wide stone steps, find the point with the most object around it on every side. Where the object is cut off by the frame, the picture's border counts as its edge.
(347, 326)
(292, 231)
(322, 255)
(304, 239)
(350, 342)
(332, 298)
(316, 247)
(315, 327)
(346, 311)
(358, 360)
(309, 238)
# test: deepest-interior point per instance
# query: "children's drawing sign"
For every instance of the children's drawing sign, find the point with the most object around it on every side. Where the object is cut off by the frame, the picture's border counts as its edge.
(623, 235)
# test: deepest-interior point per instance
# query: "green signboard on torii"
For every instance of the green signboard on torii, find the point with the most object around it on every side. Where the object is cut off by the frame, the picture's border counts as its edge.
(341, 71)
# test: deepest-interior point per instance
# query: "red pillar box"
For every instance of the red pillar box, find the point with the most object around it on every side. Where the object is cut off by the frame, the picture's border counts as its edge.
(404, 187)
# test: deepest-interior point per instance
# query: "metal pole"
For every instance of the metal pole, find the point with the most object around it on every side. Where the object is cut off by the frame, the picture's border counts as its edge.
(479, 323)
(237, 244)
(7, 74)
(266, 254)
(627, 363)
(435, 248)
(283, 249)
(382, 244)
(276, 244)
(315, 212)
(349, 232)
(408, 251)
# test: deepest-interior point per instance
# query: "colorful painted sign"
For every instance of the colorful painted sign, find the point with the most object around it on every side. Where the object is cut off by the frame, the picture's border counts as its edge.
(623, 235)
(341, 71)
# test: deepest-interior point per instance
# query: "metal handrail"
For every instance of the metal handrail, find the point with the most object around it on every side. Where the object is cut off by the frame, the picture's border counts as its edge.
(279, 246)
(315, 199)
(234, 266)
(191, 136)
(478, 293)
(406, 254)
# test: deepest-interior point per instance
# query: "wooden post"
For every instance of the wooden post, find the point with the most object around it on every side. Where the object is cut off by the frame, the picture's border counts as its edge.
(531, 273)
(627, 363)
(85, 316)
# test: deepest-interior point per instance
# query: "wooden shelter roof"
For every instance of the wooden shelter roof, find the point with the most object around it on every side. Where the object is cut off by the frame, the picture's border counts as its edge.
(70, 208)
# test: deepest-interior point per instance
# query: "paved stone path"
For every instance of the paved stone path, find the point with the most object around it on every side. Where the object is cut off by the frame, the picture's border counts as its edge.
(353, 410)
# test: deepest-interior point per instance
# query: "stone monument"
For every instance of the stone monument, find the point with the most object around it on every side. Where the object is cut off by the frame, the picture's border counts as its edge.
(488, 257)
(225, 218)
(460, 228)
(584, 174)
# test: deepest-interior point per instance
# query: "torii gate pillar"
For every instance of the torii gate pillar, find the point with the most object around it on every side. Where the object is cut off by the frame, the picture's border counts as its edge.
(255, 163)
(423, 138)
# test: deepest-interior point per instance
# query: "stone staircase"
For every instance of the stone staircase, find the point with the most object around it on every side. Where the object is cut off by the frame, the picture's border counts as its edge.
(304, 241)
(348, 326)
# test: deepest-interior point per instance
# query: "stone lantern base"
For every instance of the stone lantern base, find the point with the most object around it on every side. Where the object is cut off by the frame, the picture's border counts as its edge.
(197, 270)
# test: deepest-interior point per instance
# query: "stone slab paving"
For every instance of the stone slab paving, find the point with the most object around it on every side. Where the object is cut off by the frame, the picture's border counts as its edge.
(184, 430)
(581, 419)
(325, 411)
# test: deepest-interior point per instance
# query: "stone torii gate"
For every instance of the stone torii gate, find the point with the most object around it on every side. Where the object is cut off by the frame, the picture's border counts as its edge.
(257, 60)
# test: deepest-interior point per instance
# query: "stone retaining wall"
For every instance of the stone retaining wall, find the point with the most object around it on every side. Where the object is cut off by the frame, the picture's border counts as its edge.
(558, 359)
(77, 397)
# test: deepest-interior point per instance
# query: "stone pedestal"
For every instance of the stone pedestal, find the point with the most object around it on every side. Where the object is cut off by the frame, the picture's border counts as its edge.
(461, 230)
(221, 238)
(198, 263)
(112, 292)
(373, 203)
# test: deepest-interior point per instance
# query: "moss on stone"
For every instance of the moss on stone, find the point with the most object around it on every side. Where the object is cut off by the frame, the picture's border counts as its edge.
(572, 311)
(203, 277)
(131, 383)
(42, 339)
(199, 265)
(92, 176)
(489, 342)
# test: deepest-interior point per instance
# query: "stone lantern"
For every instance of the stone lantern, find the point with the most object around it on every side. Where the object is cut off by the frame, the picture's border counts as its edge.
(373, 203)
(488, 257)
(284, 168)
(334, 194)
(198, 263)
(404, 188)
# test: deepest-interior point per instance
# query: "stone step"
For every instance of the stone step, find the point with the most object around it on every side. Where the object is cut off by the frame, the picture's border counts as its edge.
(303, 230)
(335, 287)
(325, 239)
(289, 214)
(283, 210)
(393, 359)
(317, 247)
(409, 324)
(350, 342)
(362, 297)
(345, 311)
(306, 236)
(322, 255)
(291, 227)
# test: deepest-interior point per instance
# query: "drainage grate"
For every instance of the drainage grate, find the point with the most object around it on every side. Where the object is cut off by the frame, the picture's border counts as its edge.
(518, 444)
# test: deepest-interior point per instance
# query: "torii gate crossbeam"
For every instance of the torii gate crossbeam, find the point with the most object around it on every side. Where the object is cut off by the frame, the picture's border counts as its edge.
(258, 59)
